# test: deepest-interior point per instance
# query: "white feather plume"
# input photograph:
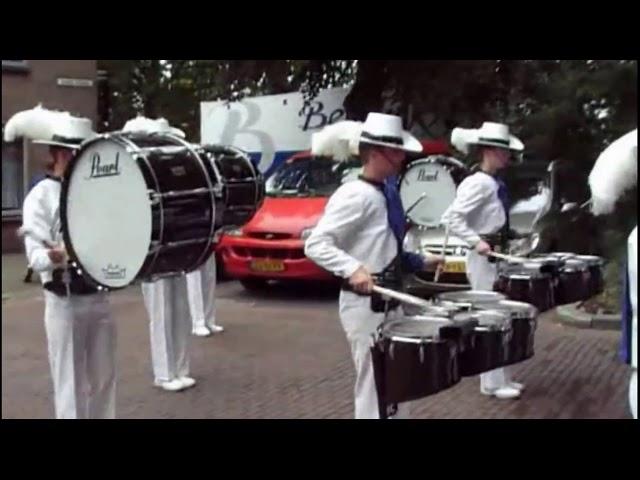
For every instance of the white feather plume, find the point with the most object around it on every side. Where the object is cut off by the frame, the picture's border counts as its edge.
(41, 124)
(35, 124)
(148, 125)
(338, 141)
(615, 171)
(461, 138)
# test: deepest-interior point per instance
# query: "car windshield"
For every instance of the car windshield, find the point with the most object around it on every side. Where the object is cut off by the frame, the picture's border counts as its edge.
(311, 177)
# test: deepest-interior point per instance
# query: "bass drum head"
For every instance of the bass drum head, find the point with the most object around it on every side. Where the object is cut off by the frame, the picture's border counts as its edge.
(430, 180)
(106, 213)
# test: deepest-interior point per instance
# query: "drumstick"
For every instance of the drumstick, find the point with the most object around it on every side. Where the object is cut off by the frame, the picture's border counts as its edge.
(402, 297)
(509, 258)
(415, 204)
(440, 267)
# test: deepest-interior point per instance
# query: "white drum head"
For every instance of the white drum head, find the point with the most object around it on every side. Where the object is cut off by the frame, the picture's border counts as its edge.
(108, 213)
(432, 182)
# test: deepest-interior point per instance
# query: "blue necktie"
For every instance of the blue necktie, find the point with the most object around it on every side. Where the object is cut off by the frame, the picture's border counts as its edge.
(503, 195)
(395, 210)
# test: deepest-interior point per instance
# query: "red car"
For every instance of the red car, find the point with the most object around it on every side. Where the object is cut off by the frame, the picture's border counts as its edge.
(271, 245)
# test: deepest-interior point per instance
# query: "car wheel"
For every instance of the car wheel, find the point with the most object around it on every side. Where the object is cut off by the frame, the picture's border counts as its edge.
(220, 273)
(254, 284)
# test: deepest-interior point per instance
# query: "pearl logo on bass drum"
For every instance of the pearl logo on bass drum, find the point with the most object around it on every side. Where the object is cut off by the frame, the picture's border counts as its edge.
(423, 176)
(101, 169)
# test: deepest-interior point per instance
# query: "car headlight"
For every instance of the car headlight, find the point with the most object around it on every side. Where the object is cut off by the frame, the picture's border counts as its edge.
(460, 251)
(234, 232)
(306, 233)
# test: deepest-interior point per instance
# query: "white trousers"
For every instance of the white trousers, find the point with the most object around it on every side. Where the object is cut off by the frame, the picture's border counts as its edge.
(359, 324)
(633, 393)
(81, 341)
(169, 327)
(201, 285)
(482, 275)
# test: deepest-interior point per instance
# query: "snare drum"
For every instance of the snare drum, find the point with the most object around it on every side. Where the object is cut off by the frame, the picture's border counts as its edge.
(524, 323)
(412, 361)
(487, 346)
(137, 206)
(596, 277)
(238, 185)
(526, 283)
(573, 282)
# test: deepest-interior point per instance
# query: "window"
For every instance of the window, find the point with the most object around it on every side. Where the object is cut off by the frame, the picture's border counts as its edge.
(15, 65)
(12, 171)
(310, 177)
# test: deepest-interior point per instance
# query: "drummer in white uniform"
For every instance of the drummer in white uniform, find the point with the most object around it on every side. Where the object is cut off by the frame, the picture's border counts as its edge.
(615, 172)
(166, 300)
(81, 334)
(479, 215)
(356, 237)
(201, 287)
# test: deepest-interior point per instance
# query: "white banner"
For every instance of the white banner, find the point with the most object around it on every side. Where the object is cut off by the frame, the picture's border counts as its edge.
(272, 127)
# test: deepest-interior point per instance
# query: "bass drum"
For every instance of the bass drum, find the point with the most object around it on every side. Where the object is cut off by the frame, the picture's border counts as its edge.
(137, 207)
(428, 187)
(238, 185)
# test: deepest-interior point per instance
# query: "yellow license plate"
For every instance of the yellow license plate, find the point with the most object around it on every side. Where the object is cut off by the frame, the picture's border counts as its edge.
(267, 266)
(455, 267)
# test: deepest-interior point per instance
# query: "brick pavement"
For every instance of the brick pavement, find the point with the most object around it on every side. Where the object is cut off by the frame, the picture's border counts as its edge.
(283, 355)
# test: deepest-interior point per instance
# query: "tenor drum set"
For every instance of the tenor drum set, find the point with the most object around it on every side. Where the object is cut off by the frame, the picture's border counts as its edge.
(547, 281)
(455, 334)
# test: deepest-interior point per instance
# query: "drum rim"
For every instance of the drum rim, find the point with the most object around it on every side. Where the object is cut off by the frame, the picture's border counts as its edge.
(524, 275)
(445, 313)
(575, 268)
(591, 260)
(515, 313)
(507, 326)
(414, 340)
(431, 159)
(444, 296)
(561, 254)
(386, 333)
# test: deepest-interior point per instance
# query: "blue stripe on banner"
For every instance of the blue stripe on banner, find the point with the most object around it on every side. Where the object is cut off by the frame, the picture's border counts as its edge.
(278, 159)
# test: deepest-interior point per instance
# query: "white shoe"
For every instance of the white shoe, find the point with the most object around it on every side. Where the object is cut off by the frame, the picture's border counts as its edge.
(174, 385)
(503, 393)
(201, 332)
(187, 382)
(215, 328)
(517, 386)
